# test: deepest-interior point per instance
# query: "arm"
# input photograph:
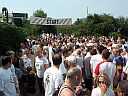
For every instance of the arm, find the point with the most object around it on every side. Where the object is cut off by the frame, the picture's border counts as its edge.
(46, 63)
(21, 65)
(1, 88)
(15, 79)
(45, 66)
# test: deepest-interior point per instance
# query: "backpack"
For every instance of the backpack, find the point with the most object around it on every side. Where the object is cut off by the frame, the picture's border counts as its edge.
(97, 68)
(97, 73)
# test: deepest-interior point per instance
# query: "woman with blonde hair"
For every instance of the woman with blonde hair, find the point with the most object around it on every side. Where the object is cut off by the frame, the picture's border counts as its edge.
(103, 88)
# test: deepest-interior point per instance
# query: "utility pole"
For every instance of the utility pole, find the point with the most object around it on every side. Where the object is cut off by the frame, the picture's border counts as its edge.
(87, 10)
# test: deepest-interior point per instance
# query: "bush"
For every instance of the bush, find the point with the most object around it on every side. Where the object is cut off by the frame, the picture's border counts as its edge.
(10, 37)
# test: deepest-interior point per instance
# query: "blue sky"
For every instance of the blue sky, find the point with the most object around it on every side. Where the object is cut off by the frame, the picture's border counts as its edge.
(68, 8)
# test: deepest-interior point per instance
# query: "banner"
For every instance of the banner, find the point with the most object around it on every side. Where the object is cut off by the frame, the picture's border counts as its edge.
(50, 21)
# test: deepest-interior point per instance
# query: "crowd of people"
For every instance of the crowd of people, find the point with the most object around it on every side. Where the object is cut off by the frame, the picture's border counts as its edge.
(66, 66)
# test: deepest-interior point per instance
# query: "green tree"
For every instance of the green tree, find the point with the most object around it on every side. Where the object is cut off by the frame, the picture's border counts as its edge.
(44, 28)
(34, 30)
(40, 13)
(10, 37)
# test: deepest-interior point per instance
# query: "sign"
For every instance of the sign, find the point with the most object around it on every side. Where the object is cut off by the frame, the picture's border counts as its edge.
(25, 15)
(50, 21)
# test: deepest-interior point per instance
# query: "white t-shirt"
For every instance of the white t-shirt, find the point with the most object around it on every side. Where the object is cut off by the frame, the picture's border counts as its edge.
(12, 68)
(87, 55)
(39, 64)
(109, 68)
(27, 62)
(34, 48)
(95, 59)
(79, 61)
(97, 92)
(50, 54)
(7, 82)
(52, 80)
(125, 69)
(62, 68)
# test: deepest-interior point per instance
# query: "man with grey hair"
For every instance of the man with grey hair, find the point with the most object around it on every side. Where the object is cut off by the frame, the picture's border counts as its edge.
(72, 80)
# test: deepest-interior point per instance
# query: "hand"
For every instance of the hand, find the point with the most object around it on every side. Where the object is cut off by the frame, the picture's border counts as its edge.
(78, 89)
(17, 92)
(103, 88)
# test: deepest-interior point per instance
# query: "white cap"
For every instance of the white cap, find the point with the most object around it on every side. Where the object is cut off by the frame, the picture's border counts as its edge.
(90, 44)
(71, 59)
(116, 46)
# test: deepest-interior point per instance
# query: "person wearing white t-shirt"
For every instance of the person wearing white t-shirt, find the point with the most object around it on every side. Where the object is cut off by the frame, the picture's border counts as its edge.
(52, 76)
(7, 82)
(95, 59)
(27, 62)
(125, 69)
(107, 67)
(79, 58)
(41, 64)
(103, 88)
(12, 69)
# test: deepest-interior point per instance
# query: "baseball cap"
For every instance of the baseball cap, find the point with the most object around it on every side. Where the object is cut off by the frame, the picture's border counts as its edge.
(71, 59)
(119, 60)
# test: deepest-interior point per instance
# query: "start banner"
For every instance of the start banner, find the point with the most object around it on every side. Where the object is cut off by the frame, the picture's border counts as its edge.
(50, 21)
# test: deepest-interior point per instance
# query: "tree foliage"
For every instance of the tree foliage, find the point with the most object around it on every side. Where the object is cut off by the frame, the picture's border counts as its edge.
(40, 13)
(43, 28)
(97, 25)
(10, 37)
(92, 25)
(34, 30)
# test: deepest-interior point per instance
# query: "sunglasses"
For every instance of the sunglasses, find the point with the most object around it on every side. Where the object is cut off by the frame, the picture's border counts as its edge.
(103, 82)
